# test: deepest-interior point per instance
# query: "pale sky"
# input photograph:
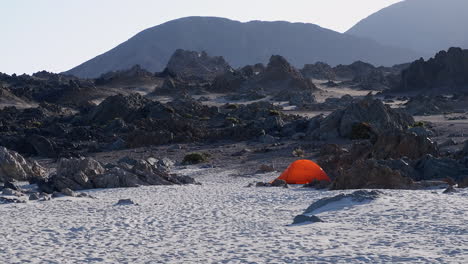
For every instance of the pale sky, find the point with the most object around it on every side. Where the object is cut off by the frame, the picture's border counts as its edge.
(56, 35)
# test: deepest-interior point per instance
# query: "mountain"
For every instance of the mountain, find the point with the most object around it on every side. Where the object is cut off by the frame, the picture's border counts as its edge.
(241, 44)
(423, 25)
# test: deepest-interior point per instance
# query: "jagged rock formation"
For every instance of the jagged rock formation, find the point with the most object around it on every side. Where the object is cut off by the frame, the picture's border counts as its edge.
(196, 65)
(87, 173)
(133, 76)
(368, 112)
(319, 70)
(279, 79)
(13, 167)
(447, 70)
(49, 87)
(428, 105)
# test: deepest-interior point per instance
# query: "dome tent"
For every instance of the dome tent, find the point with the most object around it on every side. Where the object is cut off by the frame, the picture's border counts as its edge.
(303, 172)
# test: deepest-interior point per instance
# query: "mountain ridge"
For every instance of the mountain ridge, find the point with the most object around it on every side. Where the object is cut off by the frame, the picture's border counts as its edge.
(424, 25)
(240, 44)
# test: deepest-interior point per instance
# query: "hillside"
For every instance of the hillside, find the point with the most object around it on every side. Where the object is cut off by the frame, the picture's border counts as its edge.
(423, 25)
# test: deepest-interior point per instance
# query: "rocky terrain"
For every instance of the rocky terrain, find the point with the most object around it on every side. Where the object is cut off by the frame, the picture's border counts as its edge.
(201, 129)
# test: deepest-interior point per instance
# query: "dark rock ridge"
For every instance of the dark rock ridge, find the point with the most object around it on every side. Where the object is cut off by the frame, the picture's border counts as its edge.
(447, 70)
(133, 76)
(319, 70)
(279, 79)
(87, 173)
(48, 87)
(121, 122)
(240, 44)
(196, 65)
(360, 75)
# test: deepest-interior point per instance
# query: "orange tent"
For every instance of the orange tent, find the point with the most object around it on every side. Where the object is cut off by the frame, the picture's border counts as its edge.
(303, 172)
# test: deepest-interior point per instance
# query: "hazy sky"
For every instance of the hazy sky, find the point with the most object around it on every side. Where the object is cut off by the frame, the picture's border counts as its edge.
(56, 35)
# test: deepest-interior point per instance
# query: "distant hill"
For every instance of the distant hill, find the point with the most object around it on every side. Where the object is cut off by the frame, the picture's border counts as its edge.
(241, 44)
(423, 25)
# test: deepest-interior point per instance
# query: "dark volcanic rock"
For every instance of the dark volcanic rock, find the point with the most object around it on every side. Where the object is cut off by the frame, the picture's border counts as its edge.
(117, 106)
(447, 70)
(428, 105)
(134, 75)
(354, 70)
(370, 175)
(86, 173)
(303, 219)
(394, 145)
(279, 75)
(319, 70)
(430, 167)
(373, 112)
(196, 65)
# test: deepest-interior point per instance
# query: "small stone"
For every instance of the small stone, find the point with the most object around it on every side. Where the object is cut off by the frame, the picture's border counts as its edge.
(11, 185)
(300, 219)
(68, 192)
(57, 195)
(8, 191)
(450, 189)
(279, 183)
(34, 197)
(126, 202)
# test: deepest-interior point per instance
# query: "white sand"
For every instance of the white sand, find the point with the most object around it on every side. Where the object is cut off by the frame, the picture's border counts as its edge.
(222, 221)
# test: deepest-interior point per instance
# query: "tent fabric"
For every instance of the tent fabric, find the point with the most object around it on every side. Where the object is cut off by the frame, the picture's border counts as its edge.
(303, 172)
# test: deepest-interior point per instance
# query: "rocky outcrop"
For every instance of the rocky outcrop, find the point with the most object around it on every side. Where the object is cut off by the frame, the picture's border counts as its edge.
(87, 173)
(117, 106)
(369, 174)
(394, 145)
(447, 70)
(133, 76)
(430, 167)
(196, 65)
(367, 112)
(319, 70)
(428, 105)
(13, 167)
(354, 70)
(280, 75)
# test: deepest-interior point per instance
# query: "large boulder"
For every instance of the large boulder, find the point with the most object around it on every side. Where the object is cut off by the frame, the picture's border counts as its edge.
(13, 166)
(118, 106)
(368, 174)
(279, 75)
(367, 112)
(428, 105)
(430, 168)
(397, 144)
(77, 174)
(356, 69)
